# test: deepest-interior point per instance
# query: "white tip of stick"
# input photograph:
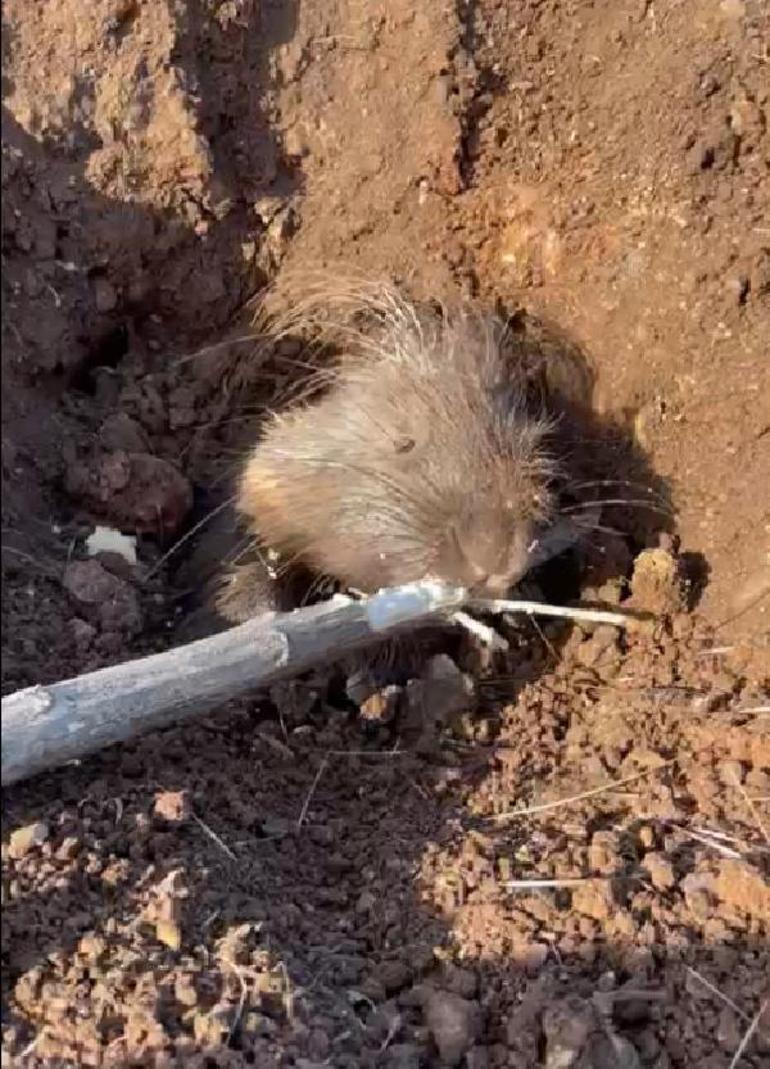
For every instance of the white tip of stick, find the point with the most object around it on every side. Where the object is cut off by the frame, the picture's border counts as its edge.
(413, 601)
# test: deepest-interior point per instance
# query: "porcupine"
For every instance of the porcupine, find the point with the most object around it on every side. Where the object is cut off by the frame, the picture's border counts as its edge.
(426, 455)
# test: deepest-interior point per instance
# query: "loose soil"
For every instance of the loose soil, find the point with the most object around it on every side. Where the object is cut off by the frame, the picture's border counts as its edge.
(294, 881)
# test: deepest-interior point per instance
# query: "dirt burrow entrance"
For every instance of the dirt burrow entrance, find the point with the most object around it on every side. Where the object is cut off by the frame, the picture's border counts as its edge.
(292, 882)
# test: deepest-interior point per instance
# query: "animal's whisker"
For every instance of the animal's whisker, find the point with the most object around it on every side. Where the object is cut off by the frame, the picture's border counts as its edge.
(628, 502)
(632, 484)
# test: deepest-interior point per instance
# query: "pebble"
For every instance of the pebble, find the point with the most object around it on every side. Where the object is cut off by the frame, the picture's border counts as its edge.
(593, 898)
(394, 975)
(461, 982)
(404, 1056)
(27, 838)
(477, 1058)
(453, 1023)
(82, 632)
(442, 692)
(615, 1052)
(96, 592)
(120, 432)
(656, 584)
(661, 871)
(567, 1025)
(382, 706)
(172, 806)
(366, 902)
(105, 296)
(730, 773)
(137, 492)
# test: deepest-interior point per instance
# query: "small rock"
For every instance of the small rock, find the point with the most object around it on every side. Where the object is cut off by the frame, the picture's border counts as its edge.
(276, 827)
(614, 1052)
(168, 933)
(92, 947)
(112, 601)
(729, 1029)
(105, 296)
(83, 633)
(384, 1023)
(661, 871)
(730, 773)
(318, 1044)
(136, 491)
(266, 208)
(372, 989)
(295, 142)
(173, 806)
(394, 975)
(738, 287)
(27, 838)
(184, 991)
(441, 693)
(567, 1024)
(463, 982)
(120, 433)
(593, 898)
(604, 853)
(697, 889)
(382, 706)
(106, 540)
(366, 902)
(759, 279)
(531, 956)
(404, 1056)
(453, 1023)
(69, 849)
(656, 585)
(646, 836)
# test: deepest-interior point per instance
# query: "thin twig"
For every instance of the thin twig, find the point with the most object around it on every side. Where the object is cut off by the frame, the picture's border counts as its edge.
(545, 806)
(537, 608)
(214, 837)
(719, 994)
(288, 993)
(369, 753)
(748, 1034)
(706, 840)
(487, 636)
(311, 792)
(523, 885)
(752, 808)
(241, 1001)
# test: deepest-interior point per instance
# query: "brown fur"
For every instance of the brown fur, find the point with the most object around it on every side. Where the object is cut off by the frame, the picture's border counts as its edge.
(420, 459)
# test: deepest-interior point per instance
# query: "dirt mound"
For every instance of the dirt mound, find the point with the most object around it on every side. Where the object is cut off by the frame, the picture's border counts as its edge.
(570, 867)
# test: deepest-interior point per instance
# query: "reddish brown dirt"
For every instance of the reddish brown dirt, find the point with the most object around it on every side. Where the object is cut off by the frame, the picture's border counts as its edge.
(276, 886)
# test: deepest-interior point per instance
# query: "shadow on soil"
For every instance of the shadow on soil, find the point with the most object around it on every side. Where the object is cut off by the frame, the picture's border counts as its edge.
(333, 937)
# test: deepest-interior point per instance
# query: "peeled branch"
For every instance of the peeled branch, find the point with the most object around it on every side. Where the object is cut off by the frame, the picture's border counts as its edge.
(47, 726)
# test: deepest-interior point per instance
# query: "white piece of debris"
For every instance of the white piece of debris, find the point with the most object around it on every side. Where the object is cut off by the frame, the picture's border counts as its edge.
(108, 540)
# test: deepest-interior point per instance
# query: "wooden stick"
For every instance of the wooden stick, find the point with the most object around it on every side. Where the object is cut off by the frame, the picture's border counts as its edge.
(47, 726)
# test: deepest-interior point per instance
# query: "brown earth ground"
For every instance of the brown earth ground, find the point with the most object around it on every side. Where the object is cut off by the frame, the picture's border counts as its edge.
(290, 882)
